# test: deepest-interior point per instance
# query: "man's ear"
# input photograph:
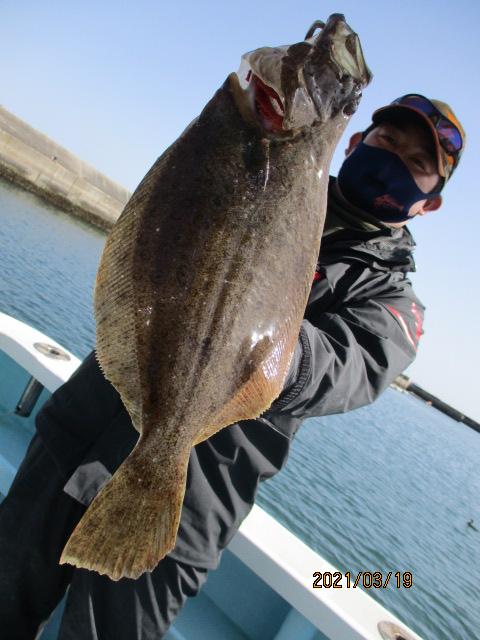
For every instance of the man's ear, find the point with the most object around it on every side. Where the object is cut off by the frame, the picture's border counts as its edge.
(354, 141)
(431, 205)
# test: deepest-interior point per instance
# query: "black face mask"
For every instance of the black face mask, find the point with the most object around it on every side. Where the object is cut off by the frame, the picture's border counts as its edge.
(379, 182)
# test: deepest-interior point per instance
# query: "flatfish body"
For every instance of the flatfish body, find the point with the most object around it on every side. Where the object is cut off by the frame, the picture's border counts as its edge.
(204, 280)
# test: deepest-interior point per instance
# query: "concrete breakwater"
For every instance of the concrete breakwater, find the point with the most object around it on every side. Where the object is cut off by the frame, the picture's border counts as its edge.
(37, 163)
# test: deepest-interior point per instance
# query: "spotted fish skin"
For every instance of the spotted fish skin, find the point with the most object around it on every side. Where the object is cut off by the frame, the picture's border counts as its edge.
(203, 284)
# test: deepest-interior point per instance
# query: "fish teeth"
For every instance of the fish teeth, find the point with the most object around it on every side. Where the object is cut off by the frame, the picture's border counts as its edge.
(276, 106)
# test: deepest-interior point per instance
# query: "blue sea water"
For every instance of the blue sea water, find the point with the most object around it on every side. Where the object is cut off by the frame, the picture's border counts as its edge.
(389, 487)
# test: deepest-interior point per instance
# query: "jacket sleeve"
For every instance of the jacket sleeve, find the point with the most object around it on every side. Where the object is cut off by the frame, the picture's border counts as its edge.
(347, 358)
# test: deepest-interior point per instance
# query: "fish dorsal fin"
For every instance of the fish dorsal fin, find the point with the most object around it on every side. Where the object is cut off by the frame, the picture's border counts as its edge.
(114, 301)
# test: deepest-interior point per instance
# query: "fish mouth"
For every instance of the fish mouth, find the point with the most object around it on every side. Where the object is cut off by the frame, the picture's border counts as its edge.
(296, 86)
(268, 104)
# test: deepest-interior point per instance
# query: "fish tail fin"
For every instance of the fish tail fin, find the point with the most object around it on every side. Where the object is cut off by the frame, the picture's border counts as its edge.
(132, 523)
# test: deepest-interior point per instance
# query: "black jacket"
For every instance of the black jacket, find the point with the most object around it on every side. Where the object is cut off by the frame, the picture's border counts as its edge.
(360, 330)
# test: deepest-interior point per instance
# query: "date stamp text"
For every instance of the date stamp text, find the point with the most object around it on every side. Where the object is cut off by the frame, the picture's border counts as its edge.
(365, 579)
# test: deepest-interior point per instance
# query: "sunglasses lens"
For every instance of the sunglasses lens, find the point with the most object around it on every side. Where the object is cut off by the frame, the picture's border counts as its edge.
(448, 134)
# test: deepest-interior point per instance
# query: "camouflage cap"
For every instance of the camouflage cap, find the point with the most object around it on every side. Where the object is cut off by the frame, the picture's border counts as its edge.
(447, 132)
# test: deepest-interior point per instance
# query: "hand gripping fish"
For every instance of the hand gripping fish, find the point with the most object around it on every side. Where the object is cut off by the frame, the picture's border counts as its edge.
(204, 280)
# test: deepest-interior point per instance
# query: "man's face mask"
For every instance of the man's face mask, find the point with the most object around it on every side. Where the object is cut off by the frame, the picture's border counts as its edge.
(379, 182)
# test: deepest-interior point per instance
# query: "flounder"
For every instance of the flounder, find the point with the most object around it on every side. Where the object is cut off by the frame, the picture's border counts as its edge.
(204, 280)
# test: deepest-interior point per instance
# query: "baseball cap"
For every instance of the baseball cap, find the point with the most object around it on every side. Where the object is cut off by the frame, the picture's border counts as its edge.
(447, 132)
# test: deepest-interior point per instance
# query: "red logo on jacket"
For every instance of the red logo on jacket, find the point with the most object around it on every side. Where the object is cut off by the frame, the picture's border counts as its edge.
(413, 340)
(418, 321)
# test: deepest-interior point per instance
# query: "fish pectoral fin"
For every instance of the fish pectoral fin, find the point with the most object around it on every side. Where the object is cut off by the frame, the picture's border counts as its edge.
(133, 522)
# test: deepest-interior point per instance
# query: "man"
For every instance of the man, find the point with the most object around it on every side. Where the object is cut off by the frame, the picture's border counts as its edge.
(361, 329)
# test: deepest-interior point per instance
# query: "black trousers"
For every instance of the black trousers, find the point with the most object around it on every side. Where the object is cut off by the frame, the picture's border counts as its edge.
(36, 520)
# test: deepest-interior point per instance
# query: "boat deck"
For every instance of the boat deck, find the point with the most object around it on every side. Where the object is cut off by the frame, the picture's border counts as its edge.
(262, 589)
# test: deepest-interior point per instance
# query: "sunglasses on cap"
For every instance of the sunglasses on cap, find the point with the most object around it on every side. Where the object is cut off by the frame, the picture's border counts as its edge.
(448, 134)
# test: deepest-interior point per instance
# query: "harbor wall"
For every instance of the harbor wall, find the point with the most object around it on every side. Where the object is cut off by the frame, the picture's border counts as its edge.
(37, 163)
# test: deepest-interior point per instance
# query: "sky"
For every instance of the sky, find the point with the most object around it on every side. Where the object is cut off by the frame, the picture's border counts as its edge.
(117, 82)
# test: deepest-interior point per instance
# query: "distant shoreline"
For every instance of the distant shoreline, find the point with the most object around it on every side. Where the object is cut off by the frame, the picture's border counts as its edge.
(36, 163)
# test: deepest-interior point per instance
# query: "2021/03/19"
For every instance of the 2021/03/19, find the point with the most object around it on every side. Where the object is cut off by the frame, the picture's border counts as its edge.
(366, 579)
